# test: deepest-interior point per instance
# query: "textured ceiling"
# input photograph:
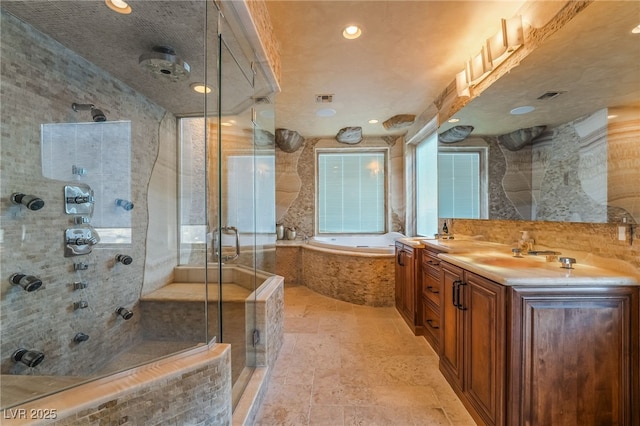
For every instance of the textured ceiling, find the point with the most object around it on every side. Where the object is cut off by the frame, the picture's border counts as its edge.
(408, 54)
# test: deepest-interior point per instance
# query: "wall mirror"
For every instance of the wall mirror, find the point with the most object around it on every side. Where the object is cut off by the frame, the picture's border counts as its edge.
(583, 162)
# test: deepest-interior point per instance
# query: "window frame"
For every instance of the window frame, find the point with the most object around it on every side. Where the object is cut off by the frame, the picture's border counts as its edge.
(355, 150)
(483, 152)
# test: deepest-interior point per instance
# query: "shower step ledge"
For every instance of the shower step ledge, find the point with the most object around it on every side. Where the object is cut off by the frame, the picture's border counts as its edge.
(92, 394)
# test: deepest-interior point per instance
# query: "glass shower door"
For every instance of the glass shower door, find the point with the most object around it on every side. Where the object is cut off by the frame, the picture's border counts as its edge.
(232, 217)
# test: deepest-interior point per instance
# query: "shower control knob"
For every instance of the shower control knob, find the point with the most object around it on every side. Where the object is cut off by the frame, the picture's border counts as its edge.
(124, 259)
(80, 305)
(79, 285)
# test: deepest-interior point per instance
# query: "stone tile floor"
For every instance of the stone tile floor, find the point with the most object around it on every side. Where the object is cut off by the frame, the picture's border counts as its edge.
(345, 364)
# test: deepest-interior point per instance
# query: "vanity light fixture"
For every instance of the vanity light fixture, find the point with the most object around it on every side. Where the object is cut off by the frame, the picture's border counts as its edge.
(119, 6)
(495, 51)
(200, 88)
(352, 32)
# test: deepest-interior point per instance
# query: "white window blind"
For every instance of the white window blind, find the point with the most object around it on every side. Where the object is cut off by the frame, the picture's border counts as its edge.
(459, 185)
(351, 192)
(246, 176)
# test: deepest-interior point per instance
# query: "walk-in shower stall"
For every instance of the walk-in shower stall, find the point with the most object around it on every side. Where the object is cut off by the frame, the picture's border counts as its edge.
(137, 189)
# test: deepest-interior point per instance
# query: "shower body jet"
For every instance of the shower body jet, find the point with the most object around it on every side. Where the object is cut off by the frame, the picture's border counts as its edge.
(30, 201)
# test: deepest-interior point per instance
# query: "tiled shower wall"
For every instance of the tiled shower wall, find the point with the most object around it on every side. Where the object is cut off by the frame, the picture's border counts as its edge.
(40, 79)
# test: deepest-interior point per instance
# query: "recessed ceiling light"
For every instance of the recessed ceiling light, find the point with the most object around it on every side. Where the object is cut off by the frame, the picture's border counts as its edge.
(522, 110)
(326, 112)
(351, 32)
(200, 88)
(373, 121)
(119, 6)
(453, 120)
(636, 30)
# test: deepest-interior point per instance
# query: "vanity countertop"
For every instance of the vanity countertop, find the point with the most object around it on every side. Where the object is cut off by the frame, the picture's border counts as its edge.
(533, 270)
(415, 242)
(462, 245)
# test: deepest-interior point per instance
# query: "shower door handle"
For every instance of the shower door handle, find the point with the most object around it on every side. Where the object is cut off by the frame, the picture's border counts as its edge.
(218, 250)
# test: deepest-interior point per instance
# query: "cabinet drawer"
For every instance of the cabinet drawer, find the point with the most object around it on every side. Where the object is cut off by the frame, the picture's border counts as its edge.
(431, 289)
(431, 323)
(431, 264)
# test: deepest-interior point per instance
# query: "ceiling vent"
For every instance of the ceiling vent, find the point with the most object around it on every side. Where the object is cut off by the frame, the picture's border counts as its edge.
(549, 95)
(324, 99)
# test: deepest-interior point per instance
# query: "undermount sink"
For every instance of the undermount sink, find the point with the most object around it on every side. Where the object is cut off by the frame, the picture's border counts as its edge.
(510, 262)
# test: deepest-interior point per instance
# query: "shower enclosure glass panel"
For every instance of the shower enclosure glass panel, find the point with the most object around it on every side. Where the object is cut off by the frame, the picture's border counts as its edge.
(79, 317)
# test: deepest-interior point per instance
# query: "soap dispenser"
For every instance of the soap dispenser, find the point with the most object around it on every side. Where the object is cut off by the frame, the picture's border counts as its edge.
(445, 229)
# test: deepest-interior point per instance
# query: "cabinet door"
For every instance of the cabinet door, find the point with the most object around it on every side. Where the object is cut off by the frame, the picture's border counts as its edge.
(409, 292)
(399, 272)
(484, 347)
(575, 356)
(451, 326)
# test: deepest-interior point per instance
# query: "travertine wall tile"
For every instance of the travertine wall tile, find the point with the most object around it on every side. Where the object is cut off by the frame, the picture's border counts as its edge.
(39, 87)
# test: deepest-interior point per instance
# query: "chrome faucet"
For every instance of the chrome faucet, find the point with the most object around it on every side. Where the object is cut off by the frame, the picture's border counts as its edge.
(551, 255)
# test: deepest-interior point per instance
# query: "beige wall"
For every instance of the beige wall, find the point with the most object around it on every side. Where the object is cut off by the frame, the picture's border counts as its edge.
(295, 182)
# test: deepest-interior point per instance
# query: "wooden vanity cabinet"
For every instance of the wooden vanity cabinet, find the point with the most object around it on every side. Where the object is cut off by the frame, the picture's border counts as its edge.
(407, 285)
(430, 297)
(574, 356)
(541, 355)
(473, 342)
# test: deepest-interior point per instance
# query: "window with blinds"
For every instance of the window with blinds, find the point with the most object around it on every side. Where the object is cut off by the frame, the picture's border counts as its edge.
(459, 185)
(351, 195)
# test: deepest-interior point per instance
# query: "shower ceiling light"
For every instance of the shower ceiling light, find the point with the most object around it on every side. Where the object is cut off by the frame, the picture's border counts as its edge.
(200, 88)
(352, 32)
(118, 6)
